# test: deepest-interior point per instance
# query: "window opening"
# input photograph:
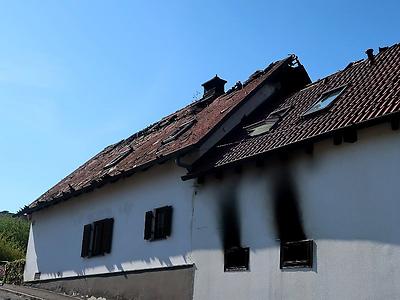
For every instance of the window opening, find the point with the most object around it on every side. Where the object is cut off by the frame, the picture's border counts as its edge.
(297, 254)
(236, 259)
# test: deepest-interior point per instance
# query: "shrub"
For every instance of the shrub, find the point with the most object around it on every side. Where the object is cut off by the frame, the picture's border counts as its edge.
(15, 272)
(10, 251)
(15, 230)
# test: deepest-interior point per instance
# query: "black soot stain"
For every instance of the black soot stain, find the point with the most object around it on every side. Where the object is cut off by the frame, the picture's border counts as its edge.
(229, 220)
(287, 214)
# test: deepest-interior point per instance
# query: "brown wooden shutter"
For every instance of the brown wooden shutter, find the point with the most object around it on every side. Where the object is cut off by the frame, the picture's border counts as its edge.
(97, 237)
(148, 225)
(167, 226)
(108, 225)
(87, 232)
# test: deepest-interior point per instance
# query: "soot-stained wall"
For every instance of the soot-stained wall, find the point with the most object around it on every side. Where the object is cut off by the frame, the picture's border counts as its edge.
(287, 206)
(331, 197)
(229, 217)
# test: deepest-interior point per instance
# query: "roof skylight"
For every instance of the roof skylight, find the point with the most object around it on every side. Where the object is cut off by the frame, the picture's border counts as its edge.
(124, 153)
(267, 124)
(325, 100)
(179, 131)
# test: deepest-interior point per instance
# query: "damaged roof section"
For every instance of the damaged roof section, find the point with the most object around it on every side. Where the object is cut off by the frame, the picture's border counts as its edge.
(168, 138)
(364, 92)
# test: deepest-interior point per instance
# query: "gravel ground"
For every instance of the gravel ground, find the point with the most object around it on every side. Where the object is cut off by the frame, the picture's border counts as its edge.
(8, 296)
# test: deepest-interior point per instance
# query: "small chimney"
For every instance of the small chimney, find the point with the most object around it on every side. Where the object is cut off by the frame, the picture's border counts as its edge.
(370, 54)
(214, 87)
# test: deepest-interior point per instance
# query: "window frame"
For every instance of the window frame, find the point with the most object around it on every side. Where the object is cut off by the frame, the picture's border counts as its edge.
(229, 267)
(271, 121)
(313, 110)
(306, 263)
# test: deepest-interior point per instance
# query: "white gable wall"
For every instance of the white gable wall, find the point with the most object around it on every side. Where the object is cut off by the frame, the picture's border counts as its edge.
(56, 233)
(349, 200)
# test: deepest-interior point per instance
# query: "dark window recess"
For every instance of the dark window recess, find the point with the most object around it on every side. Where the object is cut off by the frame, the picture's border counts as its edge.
(297, 254)
(37, 276)
(236, 259)
(97, 238)
(158, 223)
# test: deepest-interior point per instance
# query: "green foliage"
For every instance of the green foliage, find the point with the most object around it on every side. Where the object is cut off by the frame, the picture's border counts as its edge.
(10, 251)
(15, 230)
(14, 233)
(15, 272)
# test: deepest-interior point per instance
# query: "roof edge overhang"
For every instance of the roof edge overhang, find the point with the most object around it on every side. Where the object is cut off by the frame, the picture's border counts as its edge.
(106, 180)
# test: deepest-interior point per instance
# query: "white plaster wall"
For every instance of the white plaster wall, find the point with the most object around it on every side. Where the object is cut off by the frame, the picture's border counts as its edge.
(56, 233)
(349, 198)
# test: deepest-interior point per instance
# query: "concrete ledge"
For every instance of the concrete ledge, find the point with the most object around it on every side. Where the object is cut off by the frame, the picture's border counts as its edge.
(161, 283)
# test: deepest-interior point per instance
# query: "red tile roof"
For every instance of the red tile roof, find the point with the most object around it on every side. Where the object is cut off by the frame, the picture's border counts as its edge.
(145, 148)
(372, 92)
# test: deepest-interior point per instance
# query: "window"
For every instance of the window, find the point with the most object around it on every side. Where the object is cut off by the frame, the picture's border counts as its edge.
(267, 124)
(325, 100)
(236, 259)
(158, 223)
(97, 238)
(297, 254)
(37, 276)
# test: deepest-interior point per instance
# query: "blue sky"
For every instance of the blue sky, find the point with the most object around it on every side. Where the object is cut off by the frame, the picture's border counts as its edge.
(76, 76)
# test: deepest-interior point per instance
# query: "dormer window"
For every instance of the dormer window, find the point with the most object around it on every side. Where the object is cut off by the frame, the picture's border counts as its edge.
(267, 124)
(325, 101)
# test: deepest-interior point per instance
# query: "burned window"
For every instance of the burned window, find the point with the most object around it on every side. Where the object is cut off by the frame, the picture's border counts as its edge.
(158, 223)
(236, 259)
(97, 238)
(298, 254)
(268, 123)
(325, 101)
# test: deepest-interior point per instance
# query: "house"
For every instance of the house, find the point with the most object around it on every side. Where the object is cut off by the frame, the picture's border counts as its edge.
(301, 199)
(120, 226)
(278, 188)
